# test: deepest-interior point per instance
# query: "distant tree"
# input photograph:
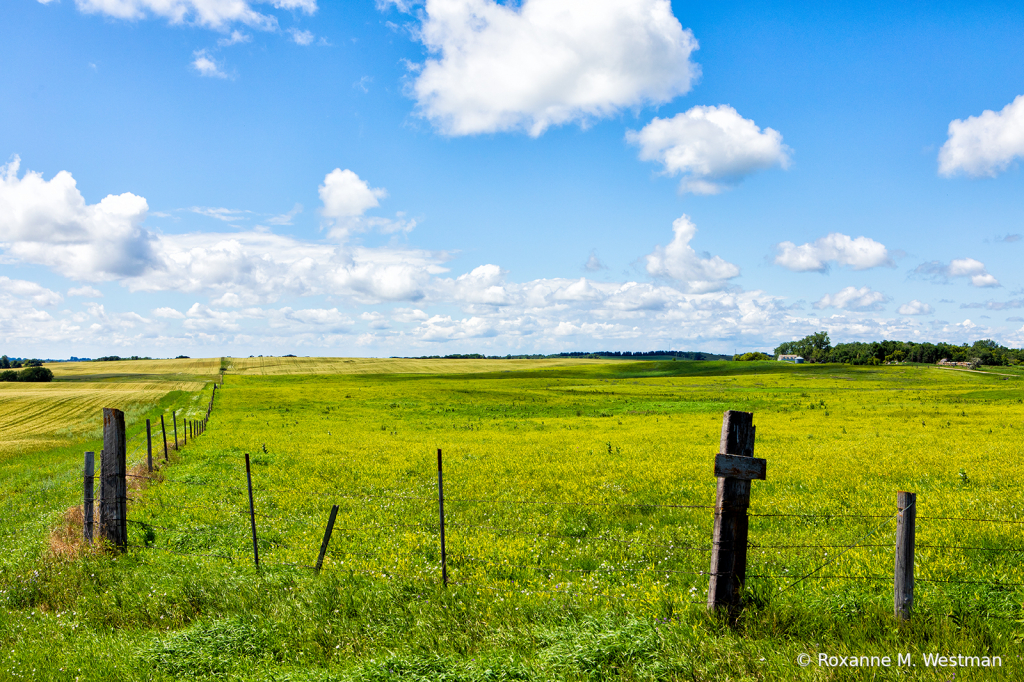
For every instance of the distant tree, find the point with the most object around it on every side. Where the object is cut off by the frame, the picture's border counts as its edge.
(8, 375)
(812, 348)
(5, 362)
(34, 363)
(183, 357)
(38, 374)
(751, 357)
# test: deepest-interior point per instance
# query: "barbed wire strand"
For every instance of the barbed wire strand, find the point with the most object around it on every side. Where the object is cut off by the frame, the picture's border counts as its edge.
(855, 543)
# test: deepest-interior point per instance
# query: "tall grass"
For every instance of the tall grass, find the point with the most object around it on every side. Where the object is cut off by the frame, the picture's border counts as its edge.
(539, 591)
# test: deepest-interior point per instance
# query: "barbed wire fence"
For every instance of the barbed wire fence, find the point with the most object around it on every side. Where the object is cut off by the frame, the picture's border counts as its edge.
(673, 567)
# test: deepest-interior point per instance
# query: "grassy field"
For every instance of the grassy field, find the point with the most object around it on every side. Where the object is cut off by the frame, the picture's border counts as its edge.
(577, 529)
(289, 366)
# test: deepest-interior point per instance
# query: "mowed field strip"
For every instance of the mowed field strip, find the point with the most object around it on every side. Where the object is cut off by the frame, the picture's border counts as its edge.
(284, 365)
(39, 416)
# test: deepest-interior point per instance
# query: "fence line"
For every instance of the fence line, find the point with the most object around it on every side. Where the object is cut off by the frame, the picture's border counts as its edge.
(740, 466)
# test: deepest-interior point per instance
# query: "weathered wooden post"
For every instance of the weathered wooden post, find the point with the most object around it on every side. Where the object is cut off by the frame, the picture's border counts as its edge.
(174, 417)
(735, 467)
(440, 505)
(87, 496)
(149, 446)
(327, 538)
(903, 585)
(113, 491)
(163, 430)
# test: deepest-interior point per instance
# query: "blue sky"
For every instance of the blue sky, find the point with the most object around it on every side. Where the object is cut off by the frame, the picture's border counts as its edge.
(232, 177)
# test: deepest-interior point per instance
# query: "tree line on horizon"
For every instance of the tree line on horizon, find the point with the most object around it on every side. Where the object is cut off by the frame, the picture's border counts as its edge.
(818, 347)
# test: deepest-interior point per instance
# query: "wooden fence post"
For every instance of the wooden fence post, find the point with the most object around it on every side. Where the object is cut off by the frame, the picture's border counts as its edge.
(327, 538)
(87, 496)
(163, 429)
(252, 513)
(440, 505)
(113, 491)
(149, 446)
(735, 467)
(903, 585)
(174, 417)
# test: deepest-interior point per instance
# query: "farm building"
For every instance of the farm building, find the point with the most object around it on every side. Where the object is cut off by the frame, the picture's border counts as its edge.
(791, 358)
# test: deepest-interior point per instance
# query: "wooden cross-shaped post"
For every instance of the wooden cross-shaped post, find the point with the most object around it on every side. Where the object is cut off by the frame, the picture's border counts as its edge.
(735, 467)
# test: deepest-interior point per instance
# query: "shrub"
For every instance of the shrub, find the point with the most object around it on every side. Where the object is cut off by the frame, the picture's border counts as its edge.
(35, 374)
(8, 375)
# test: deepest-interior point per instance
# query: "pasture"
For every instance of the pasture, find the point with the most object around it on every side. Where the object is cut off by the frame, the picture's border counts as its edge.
(577, 520)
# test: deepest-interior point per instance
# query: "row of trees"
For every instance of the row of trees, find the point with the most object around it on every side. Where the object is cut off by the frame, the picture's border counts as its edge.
(34, 373)
(18, 363)
(818, 348)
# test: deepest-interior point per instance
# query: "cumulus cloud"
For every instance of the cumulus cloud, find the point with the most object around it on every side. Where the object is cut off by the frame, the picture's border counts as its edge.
(215, 14)
(169, 313)
(960, 267)
(346, 195)
(915, 307)
(205, 65)
(48, 222)
(858, 253)
(37, 294)
(984, 145)
(86, 292)
(302, 37)
(852, 298)
(711, 147)
(680, 262)
(538, 63)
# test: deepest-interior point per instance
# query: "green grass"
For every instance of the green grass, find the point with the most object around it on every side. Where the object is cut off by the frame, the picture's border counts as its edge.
(539, 591)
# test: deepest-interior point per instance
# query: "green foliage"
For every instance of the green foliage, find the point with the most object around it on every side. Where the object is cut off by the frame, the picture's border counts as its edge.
(36, 373)
(817, 348)
(751, 357)
(212, 648)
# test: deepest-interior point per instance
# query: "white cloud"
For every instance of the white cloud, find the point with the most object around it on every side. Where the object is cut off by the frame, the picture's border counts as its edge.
(711, 147)
(960, 267)
(286, 218)
(594, 263)
(302, 37)
(859, 253)
(215, 14)
(39, 295)
(48, 222)
(915, 307)
(235, 38)
(206, 66)
(680, 262)
(228, 215)
(539, 63)
(169, 313)
(852, 298)
(984, 145)
(346, 195)
(86, 291)
(375, 320)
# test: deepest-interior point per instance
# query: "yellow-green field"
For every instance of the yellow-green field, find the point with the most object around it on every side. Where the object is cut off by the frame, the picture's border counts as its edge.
(578, 526)
(283, 365)
(184, 368)
(49, 415)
